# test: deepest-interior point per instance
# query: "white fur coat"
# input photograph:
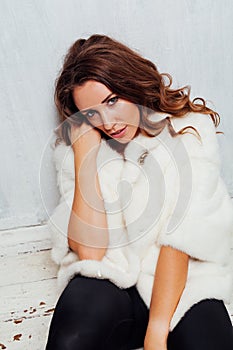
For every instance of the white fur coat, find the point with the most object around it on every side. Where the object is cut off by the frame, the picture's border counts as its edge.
(167, 191)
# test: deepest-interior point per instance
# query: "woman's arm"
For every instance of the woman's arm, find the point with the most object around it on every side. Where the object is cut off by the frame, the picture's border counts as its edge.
(169, 282)
(87, 229)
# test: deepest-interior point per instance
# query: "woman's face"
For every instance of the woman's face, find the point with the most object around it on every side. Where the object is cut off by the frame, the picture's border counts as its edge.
(116, 117)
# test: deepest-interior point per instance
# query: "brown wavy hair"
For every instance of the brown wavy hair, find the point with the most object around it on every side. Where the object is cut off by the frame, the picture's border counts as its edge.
(130, 76)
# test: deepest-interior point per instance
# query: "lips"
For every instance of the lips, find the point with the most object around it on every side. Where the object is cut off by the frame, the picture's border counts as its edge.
(118, 132)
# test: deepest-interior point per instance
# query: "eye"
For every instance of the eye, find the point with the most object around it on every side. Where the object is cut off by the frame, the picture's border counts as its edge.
(90, 113)
(112, 100)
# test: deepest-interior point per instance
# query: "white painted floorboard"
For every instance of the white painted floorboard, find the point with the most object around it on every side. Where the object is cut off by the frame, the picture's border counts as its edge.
(28, 288)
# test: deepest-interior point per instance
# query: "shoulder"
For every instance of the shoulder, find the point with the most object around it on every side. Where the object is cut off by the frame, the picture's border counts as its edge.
(203, 123)
(207, 144)
(63, 156)
(61, 149)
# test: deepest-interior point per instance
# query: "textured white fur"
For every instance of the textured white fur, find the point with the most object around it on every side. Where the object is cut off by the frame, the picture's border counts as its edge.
(146, 196)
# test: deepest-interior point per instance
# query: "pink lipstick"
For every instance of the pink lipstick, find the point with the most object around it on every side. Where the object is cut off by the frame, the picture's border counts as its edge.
(119, 133)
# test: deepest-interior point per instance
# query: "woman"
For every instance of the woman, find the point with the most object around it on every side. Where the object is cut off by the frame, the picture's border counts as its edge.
(142, 229)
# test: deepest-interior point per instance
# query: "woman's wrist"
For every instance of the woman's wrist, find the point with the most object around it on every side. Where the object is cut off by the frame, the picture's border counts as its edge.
(84, 138)
(156, 335)
(161, 327)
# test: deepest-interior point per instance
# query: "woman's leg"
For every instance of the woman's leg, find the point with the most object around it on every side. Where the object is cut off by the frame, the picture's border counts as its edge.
(205, 326)
(141, 318)
(94, 314)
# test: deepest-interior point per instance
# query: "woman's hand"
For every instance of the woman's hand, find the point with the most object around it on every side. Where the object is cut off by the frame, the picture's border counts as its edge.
(84, 138)
(156, 337)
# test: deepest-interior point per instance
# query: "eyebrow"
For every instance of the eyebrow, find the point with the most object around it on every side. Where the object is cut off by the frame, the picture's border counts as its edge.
(106, 98)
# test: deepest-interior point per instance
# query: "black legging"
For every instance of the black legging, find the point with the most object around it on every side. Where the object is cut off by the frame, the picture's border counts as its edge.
(95, 314)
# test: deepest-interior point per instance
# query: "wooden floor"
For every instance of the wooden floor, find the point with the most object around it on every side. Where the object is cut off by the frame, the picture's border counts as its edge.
(28, 288)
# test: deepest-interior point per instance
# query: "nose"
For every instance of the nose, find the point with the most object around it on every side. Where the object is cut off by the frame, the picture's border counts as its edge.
(107, 121)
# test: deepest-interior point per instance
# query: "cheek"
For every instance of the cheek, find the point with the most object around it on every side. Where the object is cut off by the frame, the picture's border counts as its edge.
(129, 113)
(134, 116)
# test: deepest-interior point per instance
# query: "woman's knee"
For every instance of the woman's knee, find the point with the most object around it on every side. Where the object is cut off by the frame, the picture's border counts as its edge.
(87, 311)
(95, 297)
(206, 326)
(72, 338)
(63, 339)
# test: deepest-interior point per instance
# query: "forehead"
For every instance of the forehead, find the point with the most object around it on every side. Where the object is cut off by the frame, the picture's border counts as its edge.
(91, 93)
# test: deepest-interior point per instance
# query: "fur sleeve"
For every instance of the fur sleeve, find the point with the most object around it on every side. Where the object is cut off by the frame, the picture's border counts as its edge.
(199, 218)
(63, 158)
(59, 219)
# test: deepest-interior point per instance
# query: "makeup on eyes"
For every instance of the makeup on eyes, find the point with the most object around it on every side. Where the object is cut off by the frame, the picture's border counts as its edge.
(107, 100)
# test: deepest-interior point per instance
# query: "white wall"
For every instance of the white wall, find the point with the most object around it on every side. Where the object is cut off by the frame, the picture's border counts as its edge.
(191, 39)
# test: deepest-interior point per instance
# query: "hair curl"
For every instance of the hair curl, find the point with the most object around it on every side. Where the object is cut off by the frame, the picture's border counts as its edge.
(127, 74)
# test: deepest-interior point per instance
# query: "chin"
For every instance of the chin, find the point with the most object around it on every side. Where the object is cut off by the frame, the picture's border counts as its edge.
(118, 145)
